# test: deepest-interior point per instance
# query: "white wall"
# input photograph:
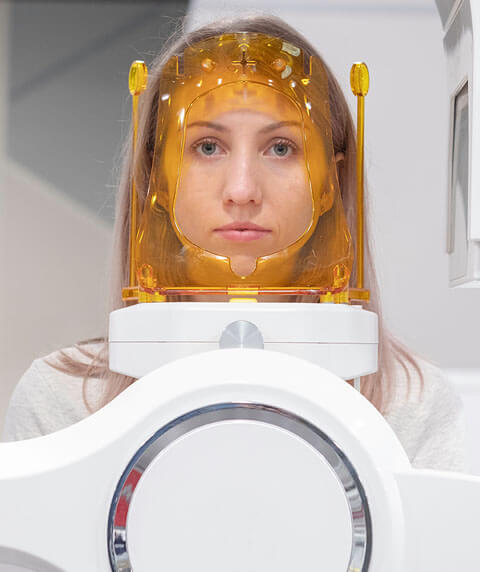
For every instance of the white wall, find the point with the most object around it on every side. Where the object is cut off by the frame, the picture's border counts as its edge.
(52, 259)
(55, 275)
(63, 111)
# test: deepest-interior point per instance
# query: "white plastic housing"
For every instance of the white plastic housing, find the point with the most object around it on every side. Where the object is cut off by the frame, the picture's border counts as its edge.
(338, 337)
(461, 24)
(56, 491)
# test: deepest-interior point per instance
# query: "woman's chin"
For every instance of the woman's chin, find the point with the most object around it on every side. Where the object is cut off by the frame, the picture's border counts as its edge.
(243, 265)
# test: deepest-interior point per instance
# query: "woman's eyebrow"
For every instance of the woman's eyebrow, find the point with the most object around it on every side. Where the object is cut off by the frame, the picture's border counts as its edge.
(216, 126)
(266, 129)
(278, 124)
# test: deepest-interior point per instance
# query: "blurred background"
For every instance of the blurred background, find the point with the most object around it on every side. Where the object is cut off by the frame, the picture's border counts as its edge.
(64, 112)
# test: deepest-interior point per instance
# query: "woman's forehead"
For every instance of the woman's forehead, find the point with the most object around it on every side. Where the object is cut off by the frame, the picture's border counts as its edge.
(257, 102)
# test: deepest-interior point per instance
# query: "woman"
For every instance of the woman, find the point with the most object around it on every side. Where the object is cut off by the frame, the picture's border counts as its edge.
(234, 162)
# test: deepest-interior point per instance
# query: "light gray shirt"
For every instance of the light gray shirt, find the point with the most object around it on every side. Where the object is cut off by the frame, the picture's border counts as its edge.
(428, 422)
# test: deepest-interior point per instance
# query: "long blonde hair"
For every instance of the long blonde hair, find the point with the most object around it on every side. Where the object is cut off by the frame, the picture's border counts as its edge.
(378, 387)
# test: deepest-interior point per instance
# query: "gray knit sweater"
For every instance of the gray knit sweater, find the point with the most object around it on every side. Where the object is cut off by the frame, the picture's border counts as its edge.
(428, 419)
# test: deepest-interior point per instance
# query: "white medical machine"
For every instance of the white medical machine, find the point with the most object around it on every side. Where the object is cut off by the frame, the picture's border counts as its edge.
(461, 22)
(243, 457)
(241, 446)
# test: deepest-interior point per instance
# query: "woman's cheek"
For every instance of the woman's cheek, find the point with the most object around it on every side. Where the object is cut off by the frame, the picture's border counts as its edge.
(297, 213)
(193, 214)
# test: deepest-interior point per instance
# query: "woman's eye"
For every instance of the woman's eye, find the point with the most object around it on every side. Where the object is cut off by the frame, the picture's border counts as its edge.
(206, 147)
(283, 148)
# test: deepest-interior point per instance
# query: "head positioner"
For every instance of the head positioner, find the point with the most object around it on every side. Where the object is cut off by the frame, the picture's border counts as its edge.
(257, 72)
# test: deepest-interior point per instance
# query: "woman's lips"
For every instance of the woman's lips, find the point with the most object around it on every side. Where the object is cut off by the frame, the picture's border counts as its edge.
(242, 231)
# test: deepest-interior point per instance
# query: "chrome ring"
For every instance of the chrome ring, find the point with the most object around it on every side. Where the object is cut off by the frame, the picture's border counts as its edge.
(333, 455)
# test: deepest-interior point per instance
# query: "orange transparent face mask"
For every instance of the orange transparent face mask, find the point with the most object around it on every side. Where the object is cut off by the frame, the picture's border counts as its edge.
(243, 191)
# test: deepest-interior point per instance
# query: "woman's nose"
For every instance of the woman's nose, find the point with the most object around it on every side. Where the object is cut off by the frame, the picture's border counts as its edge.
(242, 184)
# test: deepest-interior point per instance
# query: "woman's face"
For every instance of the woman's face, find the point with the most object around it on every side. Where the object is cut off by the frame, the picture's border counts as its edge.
(244, 191)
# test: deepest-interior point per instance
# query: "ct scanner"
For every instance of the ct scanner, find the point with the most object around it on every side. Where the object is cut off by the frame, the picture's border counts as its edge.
(241, 447)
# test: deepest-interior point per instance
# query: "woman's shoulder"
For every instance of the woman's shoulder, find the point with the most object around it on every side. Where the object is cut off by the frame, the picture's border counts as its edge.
(47, 398)
(421, 386)
(426, 413)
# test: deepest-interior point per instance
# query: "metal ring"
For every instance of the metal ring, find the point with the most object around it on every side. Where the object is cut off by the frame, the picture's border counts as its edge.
(333, 455)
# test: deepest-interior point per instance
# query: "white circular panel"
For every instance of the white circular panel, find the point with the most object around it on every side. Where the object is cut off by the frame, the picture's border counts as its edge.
(239, 495)
(249, 483)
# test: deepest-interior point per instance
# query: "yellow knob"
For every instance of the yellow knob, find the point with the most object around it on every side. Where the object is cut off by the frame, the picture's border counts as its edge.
(137, 78)
(359, 79)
